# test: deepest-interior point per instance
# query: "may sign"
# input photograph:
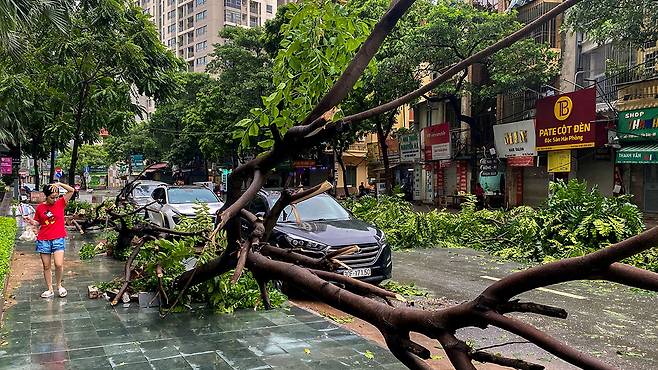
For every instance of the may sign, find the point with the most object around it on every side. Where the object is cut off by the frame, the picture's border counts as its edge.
(566, 121)
(515, 139)
(437, 142)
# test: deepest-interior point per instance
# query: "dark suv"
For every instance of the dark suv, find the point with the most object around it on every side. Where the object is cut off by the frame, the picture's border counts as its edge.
(327, 226)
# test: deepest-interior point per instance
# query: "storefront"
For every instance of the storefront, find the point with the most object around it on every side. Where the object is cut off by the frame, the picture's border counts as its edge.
(637, 159)
(409, 157)
(573, 140)
(515, 146)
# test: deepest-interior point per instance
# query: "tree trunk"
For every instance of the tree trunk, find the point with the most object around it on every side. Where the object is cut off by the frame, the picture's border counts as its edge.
(381, 137)
(78, 129)
(74, 159)
(339, 158)
(51, 176)
(35, 157)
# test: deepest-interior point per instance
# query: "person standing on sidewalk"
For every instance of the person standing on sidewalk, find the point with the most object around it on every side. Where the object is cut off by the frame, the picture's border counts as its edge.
(51, 239)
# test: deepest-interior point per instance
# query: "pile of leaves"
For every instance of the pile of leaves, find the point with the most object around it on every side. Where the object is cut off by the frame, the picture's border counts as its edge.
(176, 255)
(573, 221)
(78, 207)
(8, 230)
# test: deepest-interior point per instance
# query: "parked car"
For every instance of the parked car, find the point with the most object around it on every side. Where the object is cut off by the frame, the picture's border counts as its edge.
(141, 193)
(327, 226)
(172, 202)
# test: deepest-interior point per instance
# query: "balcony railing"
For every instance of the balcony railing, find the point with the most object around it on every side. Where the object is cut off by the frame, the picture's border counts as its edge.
(608, 87)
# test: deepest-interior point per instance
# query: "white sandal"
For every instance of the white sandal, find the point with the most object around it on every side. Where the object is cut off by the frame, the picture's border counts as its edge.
(62, 292)
(47, 294)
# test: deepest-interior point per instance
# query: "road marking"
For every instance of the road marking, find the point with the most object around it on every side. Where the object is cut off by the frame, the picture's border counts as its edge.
(542, 289)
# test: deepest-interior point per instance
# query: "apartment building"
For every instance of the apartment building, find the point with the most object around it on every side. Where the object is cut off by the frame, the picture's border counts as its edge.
(191, 27)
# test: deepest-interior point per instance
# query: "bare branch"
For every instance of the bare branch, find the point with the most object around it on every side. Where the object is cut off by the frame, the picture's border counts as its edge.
(504, 361)
(631, 276)
(516, 306)
(545, 341)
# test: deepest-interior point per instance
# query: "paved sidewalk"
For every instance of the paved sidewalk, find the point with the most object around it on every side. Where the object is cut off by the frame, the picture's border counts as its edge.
(79, 333)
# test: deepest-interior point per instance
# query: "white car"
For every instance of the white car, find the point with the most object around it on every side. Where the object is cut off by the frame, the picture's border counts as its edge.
(172, 202)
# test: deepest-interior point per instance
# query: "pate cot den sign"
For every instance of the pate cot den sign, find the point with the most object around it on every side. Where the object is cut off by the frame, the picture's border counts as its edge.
(567, 121)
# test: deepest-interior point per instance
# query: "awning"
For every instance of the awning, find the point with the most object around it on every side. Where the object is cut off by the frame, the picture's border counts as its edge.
(640, 154)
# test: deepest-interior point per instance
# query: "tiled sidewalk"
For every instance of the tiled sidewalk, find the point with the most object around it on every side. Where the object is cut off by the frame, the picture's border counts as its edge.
(79, 333)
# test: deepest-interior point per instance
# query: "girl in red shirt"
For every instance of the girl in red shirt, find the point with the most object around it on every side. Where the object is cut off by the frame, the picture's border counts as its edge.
(51, 239)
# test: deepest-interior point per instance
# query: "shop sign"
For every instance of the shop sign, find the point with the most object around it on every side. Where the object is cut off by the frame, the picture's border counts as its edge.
(559, 161)
(137, 162)
(417, 181)
(515, 139)
(641, 154)
(393, 150)
(5, 166)
(303, 163)
(566, 121)
(521, 161)
(410, 148)
(638, 124)
(437, 142)
(462, 176)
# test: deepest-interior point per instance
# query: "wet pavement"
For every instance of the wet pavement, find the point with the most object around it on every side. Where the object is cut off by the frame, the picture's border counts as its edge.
(615, 323)
(78, 333)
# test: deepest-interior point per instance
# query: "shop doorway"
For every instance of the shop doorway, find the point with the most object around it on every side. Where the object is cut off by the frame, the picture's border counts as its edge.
(651, 188)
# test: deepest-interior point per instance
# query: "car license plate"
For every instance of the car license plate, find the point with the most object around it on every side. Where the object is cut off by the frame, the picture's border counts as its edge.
(358, 272)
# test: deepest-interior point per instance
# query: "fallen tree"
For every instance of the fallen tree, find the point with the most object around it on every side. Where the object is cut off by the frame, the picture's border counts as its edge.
(251, 249)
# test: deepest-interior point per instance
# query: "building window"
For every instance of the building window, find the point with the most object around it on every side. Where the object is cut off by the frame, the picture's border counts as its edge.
(254, 21)
(268, 8)
(201, 15)
(350, 172)
(232, 16)
(201, 46)
(200, 2)
(233, 3)
(201, 61)
(171, 14)
(201, 31)
(171, 28)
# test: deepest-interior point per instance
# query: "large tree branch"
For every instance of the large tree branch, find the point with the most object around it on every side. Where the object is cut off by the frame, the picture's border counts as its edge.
(586, 267)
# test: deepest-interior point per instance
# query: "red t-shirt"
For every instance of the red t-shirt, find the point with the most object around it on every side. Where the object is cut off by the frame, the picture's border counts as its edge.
(51, 219)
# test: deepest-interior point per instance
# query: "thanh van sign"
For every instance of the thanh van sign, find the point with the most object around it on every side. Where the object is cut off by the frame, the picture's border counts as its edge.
(566, 121)
(515, 139)
(437, 142)
(410, 148)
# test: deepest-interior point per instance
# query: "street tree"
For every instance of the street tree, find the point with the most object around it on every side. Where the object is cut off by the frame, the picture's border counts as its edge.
(178, 140)
(622, 22)
(109, 52)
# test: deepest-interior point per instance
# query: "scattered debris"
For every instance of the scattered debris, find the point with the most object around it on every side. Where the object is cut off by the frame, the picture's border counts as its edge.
(92, 292)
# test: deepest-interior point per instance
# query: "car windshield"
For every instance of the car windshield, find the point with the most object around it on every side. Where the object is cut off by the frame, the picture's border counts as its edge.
(144, 190)
(319, 208)
(183, 195)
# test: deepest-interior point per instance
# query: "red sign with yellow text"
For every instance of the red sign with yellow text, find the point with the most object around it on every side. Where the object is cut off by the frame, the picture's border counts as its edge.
(567, 121)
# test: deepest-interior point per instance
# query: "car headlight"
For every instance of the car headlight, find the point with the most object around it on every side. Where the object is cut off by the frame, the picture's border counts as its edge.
(381, 238)
(303, 243)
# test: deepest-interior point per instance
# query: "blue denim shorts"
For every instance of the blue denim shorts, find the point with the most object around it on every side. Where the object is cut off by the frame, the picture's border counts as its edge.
(51, 246)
